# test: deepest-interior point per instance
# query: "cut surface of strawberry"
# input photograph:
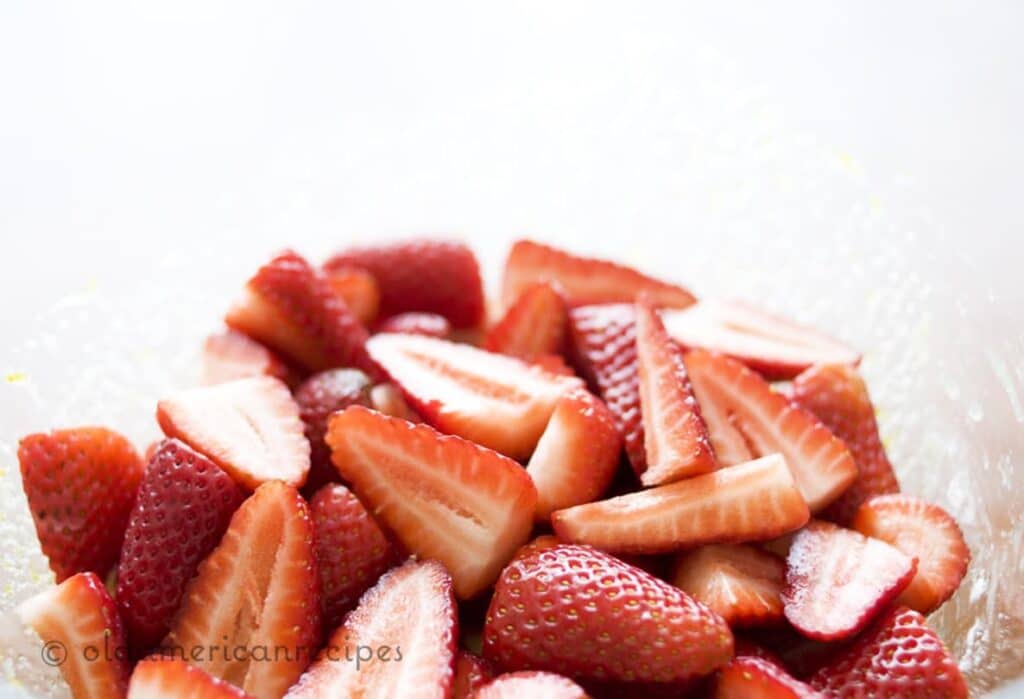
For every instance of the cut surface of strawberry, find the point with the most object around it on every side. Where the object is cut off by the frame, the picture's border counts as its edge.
(756, 678)
(741, 583)
(535, 324)
(159, 677)
(387, 398)
(358, 289)
(429, 324)
(230, 355)
(471, 673)
(515, 685)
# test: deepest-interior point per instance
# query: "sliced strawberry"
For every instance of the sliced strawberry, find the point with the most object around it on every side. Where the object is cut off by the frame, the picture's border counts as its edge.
(444, 497)
(742, 584)
(729, 444)
(755, 678)
(773, 346)
(399, 642)
(821, 464)
(553, 364)
(160, 677)
(429, 324)
(230, 355)
(837, 580)
(471, 673)
(80, 484)
(754, 501)
(493, 400)
(515, 685)
(387, 398)
(250, 428)
(675, 438)
(923, 531)
(534, 325)
(358, 289)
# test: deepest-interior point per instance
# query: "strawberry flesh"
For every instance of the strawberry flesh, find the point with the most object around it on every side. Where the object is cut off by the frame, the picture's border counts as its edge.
(534, 325)
(230, 355)
(514, 685)
(471, 673)
(387, 398)
(358, 289)
(429, 324)
(159, 677)
(741, 583)
(756, 678)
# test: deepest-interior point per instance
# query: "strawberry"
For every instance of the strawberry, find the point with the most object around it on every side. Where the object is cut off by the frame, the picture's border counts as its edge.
(675, 438)
(471, 673)
(749, 502)
(837, 395)
(553, 364)
(496, 401)
(837, 580)
(387, 398)
(899, 656)
(250, 428)
(429, 324)
(80, 484)
(399, 642)
(259, 588)
(926, 532)
(159, 677)
(741, 583)
(772, 346)
(515, 685)
(581, 613)
(728, 443)
(534, 325)
(821, 464)
(756, 678)
(81, 632)
(358, 289)
(443, 497)
(184, 506)
(230, 355)
(430, 276)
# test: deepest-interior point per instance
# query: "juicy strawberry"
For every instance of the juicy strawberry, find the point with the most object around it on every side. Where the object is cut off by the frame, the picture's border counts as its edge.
(837, 580)
(80, 484)
(534, 325)
(399, 642)
(898, 656)
(749, 502)
(773, 346)
(81, 632)
(387, 398)
(230, 355)
(184, 506)
(553, 364)
(471, 673)
(444, 497)
(821, 464)
(515, 685)
(430, 276)
(358, 289)
(171, 677)
(755, 678)
(926, 532)
(728, 443)
(837, 395)
(259, 588)
(429, 324)
(742, 584)
(249, 427)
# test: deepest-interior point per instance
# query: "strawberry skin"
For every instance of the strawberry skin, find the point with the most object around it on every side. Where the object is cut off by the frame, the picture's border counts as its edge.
(740, 583)
(358, 289)
(160, 677)
(230, 355)
(756, 678)
(534, 325)
(80, 484)
(471, 673)
(429, 324)
(514, 685)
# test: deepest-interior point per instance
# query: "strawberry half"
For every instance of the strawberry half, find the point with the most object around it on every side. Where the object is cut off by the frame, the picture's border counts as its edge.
(358, 289)
(250, 428)
(471, 673)
(754, 501)
(756, 678)
(837, 580)
(399, 642)
(80, 484)
(821, 464)
(742, 584)
(230, 355)
(387, 398)
(515, 685)
(444, 497)
(534, 325)
(158, 677)
(926, 532)
(429, 324)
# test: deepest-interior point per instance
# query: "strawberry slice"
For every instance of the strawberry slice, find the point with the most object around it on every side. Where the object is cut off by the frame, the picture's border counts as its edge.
(728, 443)
(742, 584)
(534, 325)
(675, 438)
(444, 497)
(754, 501)
(773, 346)
(250, 428)
(259, 588)
(429, 324)
(756, 678)
(926, 532)
(159, 677)
(821, 464)
(230, 355)
(837, 580)
(471, 673)
(493, 400)
(399, 642)
(515, 685)
(81, 632)
(80, 484)
(358, 289)
(387, 398)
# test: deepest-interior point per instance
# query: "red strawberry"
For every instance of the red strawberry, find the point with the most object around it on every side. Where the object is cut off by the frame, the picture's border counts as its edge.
(184, 506)
(579, 612)
(584, 280)
(799, 655)
(749, 502)
(675, 438)
(728, 443)
(444, 497)
(430, 276)
(899, 656)
(821, 464)
(249, 427)
(387, 398)
(230, 355)
(496, 401)
(742, 584)
(836, 394)
(429, 324)
(515, 685)
(259, 588)
(773, 346)
(172, 677)
(399, 642)
(534, 325)
(471, 673)
(837, 580)
(755, 678)
(553, 364)
(358, 289)
(926, 532)
(81, 632)
(80, 484)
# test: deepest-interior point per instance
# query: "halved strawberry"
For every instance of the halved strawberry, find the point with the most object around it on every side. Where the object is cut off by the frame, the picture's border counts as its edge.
(754, 501)
(358, 289)
(534, 325)
(756, 678)
(926, 532)
(387, 398)
(399, 642)
(493, 400)
(553, 364)
(260, 588)
(837, 580)
(230, 355)
(429, 324)
(171, 677)
(515, 685)
(250, 427)
(444, 497)
(728, 443)
(741, 583)
(773, 346)
(821, 464)
(471, 673)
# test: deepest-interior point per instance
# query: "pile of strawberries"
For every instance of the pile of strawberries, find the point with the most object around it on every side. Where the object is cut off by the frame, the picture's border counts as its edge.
(379, 493)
